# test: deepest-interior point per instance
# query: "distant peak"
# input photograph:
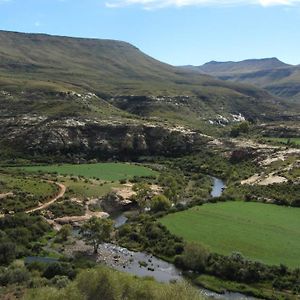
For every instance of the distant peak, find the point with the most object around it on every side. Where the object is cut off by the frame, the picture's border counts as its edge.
(255, 64)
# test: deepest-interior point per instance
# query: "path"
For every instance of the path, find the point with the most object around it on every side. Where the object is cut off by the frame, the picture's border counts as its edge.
(61, 193)
(2, 196)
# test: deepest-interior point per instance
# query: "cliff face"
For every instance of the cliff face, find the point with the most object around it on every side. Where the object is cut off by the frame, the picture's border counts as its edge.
(91, 138)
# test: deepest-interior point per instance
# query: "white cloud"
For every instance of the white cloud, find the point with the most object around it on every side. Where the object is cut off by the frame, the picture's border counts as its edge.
(148, 4)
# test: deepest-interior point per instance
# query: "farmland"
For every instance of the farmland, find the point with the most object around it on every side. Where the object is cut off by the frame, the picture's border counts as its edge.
(102, 171)
(262, 232)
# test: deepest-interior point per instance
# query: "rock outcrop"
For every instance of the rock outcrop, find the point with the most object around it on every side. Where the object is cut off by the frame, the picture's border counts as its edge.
(92, 138)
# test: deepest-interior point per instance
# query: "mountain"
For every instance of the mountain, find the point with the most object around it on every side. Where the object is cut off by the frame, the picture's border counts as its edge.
(58, 92)
(271, 74)
(249, 65)
(36, 64)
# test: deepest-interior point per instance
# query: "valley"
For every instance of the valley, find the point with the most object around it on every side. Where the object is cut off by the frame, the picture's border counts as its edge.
(112, 162)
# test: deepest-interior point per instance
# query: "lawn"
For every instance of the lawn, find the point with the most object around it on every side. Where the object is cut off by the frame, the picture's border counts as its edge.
(263, 232)
(103, 171)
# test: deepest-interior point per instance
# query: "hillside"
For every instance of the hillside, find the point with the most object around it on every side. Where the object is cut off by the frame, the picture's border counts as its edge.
(278, 78)
(34, 63)
(101, 96)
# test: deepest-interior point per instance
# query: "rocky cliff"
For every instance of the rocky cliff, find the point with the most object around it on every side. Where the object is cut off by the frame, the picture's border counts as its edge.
(92, 138)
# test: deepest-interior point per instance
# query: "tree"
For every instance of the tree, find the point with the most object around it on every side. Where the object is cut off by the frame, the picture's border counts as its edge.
(96, 231)
(160, 203)
(7, 252)
(65, 232)
(239, 129)
(171, 188)
(143, 192)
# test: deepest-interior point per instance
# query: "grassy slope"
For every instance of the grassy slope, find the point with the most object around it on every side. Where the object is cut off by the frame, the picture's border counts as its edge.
(38, 64)
(104, 171)
(259, 231)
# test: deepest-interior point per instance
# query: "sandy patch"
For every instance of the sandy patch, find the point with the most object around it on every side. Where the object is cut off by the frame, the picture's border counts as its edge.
(271, 179)
(263, 179)
(251, 180)
(80, 219)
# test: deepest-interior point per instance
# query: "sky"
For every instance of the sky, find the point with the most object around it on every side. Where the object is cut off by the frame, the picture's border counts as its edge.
(179, 32)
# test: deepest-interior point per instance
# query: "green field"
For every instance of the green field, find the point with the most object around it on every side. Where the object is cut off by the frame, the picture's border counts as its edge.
(34, 186)
(103, 171)
(263, 232)
(295, 141)
(88, 189)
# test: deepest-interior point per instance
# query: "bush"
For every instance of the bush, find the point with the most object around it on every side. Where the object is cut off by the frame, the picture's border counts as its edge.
(13, 275)
(104, 283)
(61, 269)
(7, 252)
(239, 129)
(194, 257)
(160, 203)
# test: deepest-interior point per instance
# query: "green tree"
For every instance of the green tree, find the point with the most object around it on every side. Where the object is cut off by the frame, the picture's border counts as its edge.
(7, 252)
(239, 129)
(143, 192)
(65, 232)
(172, 186)
(96, 231)
(160, 203)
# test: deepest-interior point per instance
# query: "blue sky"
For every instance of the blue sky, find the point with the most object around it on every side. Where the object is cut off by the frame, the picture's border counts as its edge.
(178, 32)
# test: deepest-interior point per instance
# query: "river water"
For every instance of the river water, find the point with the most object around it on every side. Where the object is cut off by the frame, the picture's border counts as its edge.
(143, 264)
(218, 187)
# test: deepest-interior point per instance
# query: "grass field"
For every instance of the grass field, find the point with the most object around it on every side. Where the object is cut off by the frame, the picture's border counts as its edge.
(90, 189)
(295, 141)
(263, 232)
(10, 182)
(103, 171)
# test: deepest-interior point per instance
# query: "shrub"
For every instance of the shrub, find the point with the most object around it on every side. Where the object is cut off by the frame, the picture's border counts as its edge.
(160, 203)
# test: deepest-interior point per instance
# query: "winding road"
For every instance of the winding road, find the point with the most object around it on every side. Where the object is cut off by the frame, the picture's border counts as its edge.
(62, 190)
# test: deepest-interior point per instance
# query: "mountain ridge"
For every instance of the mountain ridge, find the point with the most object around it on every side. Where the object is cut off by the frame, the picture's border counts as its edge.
(271, 74)
(39, 63)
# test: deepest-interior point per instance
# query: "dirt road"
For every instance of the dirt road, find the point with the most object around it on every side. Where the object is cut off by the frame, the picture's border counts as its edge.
(62, 190)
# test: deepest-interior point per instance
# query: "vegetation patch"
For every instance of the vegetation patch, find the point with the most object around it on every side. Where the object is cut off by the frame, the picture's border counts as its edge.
(20, 193)
(67, 208)
(286, 141)
(279, 193)
(143, 233)
(267, 233)
(21, 235)
(109, 284)
(86, 188)
(103, 171)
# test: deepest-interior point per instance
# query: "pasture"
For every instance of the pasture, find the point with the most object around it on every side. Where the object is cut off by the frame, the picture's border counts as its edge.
(34, 186)
(102, 171)
(263, 232)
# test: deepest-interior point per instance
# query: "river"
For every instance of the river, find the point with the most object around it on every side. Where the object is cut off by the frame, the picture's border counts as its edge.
(218, 187)
(143, 264)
